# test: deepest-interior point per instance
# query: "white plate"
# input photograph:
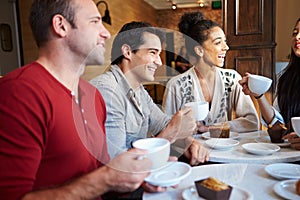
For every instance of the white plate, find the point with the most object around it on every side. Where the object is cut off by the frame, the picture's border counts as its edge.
(170, 175)
(266, 139)
(223, 144)
(286, 189)
(232, 135)
(283, 170)
(261, 148)
(236, 193)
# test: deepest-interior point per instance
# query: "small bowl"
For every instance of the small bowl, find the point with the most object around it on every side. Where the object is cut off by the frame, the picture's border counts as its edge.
(259, 84)
(296, 125)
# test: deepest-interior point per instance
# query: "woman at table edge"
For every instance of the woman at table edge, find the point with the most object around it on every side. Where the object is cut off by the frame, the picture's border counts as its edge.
(286, 104)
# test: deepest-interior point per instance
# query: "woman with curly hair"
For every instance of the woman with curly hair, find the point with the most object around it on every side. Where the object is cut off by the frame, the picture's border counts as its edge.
(208, 81)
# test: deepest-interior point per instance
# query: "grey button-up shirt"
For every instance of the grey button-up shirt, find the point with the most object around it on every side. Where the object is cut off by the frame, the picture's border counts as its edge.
(128, 117)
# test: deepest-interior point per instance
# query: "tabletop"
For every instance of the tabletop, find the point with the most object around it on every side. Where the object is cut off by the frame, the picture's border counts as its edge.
(248, 177)
(238, 155)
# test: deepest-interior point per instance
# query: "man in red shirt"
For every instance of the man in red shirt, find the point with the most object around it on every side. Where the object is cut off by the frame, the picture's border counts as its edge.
(52, 133)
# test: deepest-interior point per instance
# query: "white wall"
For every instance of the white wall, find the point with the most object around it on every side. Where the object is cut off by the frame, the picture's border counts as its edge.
(287, 13)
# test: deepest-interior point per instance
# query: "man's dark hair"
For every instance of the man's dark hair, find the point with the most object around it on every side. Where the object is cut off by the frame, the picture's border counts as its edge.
(41, 14)
(132, 34)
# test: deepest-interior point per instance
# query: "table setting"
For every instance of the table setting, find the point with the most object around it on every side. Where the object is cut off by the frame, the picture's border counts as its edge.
(256, 147)
(251, 147)
(254, 167)
(249, 165)
(248, 181)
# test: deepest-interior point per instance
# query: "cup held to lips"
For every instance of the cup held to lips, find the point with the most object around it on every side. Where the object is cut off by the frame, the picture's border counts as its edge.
(158, 150)
(296, 125)
(259, 84)
(200, 108)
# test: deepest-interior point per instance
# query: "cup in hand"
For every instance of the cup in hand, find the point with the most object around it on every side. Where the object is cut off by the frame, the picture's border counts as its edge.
(158, 150)
(296, 125)
(258, 84)
(200, 109)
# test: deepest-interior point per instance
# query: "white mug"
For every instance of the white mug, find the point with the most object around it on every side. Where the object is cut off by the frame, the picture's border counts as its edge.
(296, 125)
(200, 108)
(158, 150)
(259, 84)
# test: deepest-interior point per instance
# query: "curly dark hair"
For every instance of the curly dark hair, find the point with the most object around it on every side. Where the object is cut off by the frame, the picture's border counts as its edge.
(195, 29)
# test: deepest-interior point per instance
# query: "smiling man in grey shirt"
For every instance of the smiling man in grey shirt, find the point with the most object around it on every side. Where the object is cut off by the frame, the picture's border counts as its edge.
(132, 114)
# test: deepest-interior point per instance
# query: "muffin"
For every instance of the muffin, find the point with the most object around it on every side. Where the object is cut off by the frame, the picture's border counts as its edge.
(221, 130)
(298, 187)
(212, 188)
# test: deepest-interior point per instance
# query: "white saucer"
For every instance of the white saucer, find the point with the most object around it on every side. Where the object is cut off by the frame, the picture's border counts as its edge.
(222, 144)
(190, 194)
(232, 135)
(237, 193)
(266, 139)
(286, 189)
(283, 170)
(170, 175)
(261, 148)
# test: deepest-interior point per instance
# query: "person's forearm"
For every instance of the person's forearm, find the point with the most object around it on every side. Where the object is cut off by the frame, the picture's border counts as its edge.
(89, 186)
(169, 133)
(266, 109)
(184, 143)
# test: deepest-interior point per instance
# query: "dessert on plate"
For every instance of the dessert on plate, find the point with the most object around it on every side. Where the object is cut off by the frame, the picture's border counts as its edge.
(298, 187)
(220, 130)
(212, 188)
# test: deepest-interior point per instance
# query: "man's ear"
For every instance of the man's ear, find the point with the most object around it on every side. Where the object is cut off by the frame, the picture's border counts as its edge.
(59, 24)
(126, 51)
(199, 50)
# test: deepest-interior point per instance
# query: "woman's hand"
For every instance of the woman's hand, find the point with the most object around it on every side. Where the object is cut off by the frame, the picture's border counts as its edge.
(293, 139)
(244, 83)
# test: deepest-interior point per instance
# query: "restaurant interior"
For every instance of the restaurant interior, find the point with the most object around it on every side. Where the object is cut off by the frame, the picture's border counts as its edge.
(258, 34)
(268, 32)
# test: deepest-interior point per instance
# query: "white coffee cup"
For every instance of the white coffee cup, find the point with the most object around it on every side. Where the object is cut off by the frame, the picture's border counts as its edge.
(259, 84)
(296, 124)
(158, 150)
(200, 108)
